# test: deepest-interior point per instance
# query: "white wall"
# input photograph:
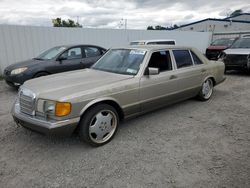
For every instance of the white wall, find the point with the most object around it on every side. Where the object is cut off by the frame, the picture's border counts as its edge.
(19, 43)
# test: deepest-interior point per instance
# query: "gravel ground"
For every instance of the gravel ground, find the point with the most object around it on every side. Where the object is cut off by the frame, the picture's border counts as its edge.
(189, 144)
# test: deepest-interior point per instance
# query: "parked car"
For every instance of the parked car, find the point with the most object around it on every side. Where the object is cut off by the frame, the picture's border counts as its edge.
(54, 60)
(154, 42)
(237, 57)
(217, 46)
(124, 83)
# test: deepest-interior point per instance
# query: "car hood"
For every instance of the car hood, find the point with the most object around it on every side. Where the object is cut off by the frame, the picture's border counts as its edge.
(27, 63)
(239, 51)
(65, 85)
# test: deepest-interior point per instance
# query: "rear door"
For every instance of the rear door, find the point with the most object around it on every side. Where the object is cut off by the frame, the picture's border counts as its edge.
(188, 73)
(92, 54)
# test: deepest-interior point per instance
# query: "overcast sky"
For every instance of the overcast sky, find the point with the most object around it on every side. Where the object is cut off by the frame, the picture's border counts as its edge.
(109, 13)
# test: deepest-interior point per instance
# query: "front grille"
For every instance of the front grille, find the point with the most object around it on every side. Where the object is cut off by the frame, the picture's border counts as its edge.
(27, 102)
(236, 59)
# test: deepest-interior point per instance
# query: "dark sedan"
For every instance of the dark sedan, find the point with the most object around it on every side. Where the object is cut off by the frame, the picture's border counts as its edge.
(54, 60)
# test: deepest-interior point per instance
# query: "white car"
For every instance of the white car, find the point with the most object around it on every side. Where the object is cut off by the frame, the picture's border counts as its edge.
(237, 57)
(153, 42)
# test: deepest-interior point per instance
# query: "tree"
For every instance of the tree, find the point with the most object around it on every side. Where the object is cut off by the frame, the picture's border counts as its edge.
(150, 28)
(158, 27)
(175, 26)
(236, 12)
(58, 22)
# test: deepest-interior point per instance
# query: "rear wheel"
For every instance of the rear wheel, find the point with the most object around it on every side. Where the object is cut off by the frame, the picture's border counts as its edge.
(99, 125)
(206, 90)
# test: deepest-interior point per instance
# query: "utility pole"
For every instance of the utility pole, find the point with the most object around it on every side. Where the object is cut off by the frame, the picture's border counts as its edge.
(125, 20)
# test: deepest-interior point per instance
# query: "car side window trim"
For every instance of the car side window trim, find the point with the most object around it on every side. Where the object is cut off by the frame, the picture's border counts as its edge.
(67, 50)
(191, 52)
(93, 47)
(182, 68)
(170, 56)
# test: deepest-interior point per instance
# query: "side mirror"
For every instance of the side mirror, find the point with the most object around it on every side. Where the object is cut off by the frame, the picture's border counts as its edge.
(61, 58)
(152, 71)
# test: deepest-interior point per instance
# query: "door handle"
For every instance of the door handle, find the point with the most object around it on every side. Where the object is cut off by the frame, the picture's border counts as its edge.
(173, 77)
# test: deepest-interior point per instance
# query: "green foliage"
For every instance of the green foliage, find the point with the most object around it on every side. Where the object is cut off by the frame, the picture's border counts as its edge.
(158, 27)
(1, 78)
(150, 28)
(58, 22)
(236, 12)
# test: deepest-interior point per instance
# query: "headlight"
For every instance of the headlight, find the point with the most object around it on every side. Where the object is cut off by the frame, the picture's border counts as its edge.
(222, 56)
(18, 71)
(53, 108)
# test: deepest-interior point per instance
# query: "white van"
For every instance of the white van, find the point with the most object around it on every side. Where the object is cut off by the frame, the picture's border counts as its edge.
(153, 42)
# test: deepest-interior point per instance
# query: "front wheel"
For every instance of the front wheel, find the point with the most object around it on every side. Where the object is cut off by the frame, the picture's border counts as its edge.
(206, 90)
(99, 125)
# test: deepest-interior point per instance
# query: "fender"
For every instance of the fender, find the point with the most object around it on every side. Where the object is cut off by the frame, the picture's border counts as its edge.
(95, 101)
(209, 76)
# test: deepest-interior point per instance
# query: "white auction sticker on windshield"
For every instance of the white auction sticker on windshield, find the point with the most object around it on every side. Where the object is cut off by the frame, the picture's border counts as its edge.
(137, 52)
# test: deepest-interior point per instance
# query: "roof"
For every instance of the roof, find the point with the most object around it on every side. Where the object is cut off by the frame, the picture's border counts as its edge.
(236, 16)
(153, 40)
(154, 47)
(228, 19)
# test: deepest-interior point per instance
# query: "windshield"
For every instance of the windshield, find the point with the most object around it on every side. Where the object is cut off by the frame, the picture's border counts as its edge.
(121, 61)
(241, 43)
(223, 42)
(51, 53)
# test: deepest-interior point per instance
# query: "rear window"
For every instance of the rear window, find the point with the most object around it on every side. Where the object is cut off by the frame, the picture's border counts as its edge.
(182, 58)
(197, 61)
(163, 42)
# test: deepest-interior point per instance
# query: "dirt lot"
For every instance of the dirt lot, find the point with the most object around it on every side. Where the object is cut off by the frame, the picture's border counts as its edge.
(190, 144)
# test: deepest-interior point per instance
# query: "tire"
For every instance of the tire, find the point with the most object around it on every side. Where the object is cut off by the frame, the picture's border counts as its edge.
(206, 90)
(40, 74)
(99, 125)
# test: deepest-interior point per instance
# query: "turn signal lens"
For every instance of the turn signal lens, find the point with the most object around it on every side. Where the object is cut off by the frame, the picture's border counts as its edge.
(62, 109)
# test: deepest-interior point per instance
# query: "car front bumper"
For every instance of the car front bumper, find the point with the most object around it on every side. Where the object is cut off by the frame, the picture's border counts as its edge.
(237, 62)
(59, 128)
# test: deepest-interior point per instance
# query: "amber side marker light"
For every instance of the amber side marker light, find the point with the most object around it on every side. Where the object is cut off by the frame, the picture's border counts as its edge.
(62, 109)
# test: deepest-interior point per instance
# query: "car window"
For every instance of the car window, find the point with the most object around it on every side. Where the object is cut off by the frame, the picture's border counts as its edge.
(73, 53)
(241, 43)
(121, 61)
(163, 42)
(182, 58)
(197, 61)
(161, 60)
(51, 53)
(92, 52)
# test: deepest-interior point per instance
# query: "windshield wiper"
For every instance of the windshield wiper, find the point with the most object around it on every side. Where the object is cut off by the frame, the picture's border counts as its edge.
(36, 58)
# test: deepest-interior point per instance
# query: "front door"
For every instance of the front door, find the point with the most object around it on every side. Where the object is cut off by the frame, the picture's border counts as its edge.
(72, 59)
(158, 90)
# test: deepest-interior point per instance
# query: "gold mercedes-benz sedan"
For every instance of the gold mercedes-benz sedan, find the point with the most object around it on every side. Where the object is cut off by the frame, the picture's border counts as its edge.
(124, 83)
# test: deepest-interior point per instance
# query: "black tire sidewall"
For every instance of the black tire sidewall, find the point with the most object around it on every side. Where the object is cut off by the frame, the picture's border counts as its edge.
(85, 122)
(200, 96)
